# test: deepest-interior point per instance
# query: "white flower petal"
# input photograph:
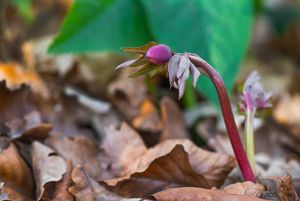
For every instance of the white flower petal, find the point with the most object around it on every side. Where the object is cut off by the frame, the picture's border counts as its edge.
(182, 81)
(183, 65)
(173, 66)
(195, 74)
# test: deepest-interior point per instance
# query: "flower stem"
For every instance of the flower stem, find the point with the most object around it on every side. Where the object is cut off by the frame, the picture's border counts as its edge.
(231, 127)
(249, 137)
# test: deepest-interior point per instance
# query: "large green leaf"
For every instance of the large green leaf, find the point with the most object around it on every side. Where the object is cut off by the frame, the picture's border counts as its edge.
(217, 30)
(94, 25)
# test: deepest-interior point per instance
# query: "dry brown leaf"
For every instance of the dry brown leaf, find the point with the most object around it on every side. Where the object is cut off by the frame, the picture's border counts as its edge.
(245, 188)
(129, 147)
(172, 120)
(147, 119)
(61, 192)
(85, 188)
(193, 194)
(15, 104)
(16, 175)
(146, 171)
(47, 167)
(132, 102)
(30, 127)
(15, 76)
(287, 113)
(81, 151)
(280, 188)
(215, 139)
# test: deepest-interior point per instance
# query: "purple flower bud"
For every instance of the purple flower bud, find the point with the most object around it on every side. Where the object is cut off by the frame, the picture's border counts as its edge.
(159, 54)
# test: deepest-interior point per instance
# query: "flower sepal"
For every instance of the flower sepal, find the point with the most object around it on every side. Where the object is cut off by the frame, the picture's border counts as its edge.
(148, 64)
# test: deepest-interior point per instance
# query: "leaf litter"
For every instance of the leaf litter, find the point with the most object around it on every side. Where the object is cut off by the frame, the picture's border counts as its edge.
(71, 135)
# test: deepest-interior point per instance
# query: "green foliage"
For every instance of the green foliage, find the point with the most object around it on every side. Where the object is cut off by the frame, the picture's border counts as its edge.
(94, 25)
(217, 30)
(24, 9)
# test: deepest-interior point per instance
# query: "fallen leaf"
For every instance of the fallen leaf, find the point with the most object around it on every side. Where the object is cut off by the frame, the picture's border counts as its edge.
(85, 188)
(30, 127)
(16, 103)
(16, 175)
(147, 119)
(146, 171)
(35, 56)
(81, 151)
(215, 139)
(286, 113)
(130, 147)
(280, 188)
(132, 101)
(60, 192)
(192, 194)
(172, 120)
(245, 188)
(47, 167)
(15, 76)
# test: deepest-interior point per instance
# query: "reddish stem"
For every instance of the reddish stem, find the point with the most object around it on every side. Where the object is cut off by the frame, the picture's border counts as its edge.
(231, 127)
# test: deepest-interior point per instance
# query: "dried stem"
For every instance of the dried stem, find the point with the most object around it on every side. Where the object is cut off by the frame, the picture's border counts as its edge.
(231, 127)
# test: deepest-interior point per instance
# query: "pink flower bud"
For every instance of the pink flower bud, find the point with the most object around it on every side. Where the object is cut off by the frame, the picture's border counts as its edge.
(159, 54)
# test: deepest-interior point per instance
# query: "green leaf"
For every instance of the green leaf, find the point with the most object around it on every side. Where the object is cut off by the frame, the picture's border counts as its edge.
(24, 8)
(217, 30)
(95, 25)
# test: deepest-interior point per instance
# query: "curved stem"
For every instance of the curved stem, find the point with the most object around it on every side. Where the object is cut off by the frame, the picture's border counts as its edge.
(231, 127)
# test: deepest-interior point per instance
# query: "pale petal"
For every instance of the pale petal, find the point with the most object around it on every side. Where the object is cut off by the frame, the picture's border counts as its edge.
(195, 74)
(183, 65)
(182, 81)
(173, 66)
(125, 64)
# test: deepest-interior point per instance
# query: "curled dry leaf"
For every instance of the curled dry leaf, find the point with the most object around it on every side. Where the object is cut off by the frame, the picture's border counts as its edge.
(81, 151)
(245, 188)
(47, 167)
(60, 192)
(30, 127)
(192, 194)
(16, 175)
(85, 188)
(172, 120)
(15, 76)
(15, 104)
(147, 171)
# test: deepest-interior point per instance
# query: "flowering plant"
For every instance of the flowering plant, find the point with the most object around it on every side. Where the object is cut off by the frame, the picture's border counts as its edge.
(254, 98)
(157, 57)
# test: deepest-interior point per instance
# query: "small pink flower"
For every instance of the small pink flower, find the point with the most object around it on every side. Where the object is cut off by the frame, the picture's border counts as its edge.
(254, 97)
